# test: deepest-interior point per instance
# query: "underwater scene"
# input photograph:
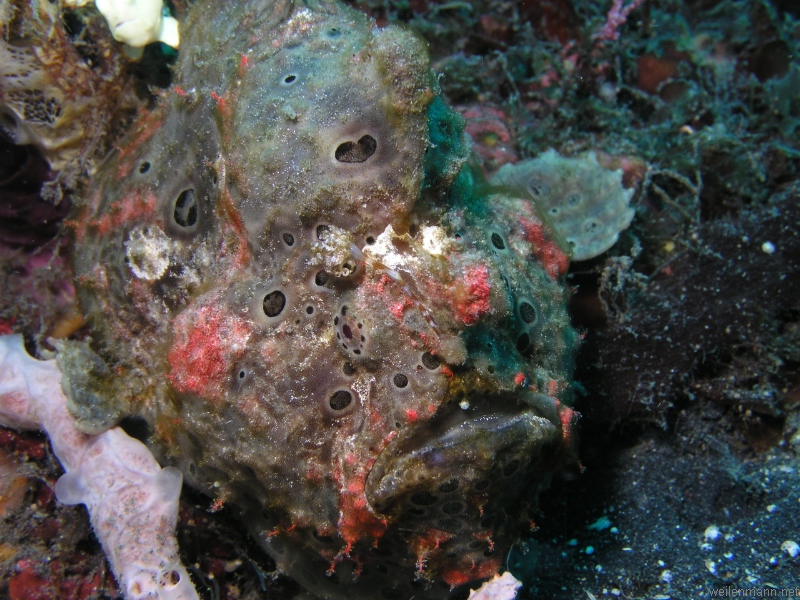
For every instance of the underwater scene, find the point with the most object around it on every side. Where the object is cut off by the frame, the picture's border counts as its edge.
(399, 300)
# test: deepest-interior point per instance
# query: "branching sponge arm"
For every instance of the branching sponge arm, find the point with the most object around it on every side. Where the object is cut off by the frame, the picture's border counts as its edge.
(132, 502)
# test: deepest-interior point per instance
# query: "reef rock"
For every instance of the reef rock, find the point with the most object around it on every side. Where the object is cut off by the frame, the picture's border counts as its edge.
(292, 278)
(65, 94)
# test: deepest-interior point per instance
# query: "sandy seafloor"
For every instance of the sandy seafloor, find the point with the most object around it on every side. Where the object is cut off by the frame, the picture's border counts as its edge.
(690, 428)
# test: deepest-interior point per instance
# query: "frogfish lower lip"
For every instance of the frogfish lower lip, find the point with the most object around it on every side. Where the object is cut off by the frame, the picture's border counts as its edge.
(478, 446)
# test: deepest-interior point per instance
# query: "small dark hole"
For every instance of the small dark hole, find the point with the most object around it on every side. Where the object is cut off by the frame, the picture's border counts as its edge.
(400, 380)
(370, 240)
(524, 344)
(527, 312)
(497, 241)
(423, 498)
(325, 539)
(416, 512)
(288, 239)
(356, 351)
(511, 468)
(144, 167)
(348, 333)
(290, 79)
(482, 485)
(274, 302)
(192, 469)
(242, 374)
(452, 508)
(450, 525)
(430, 361)
(349, 369)
(490, 368)
(336, 322)
(321, 231)
(309, 310)
(174, 577)
(185, 213)
(449, 486)
(136, 427)
(356, 152)
(344, 310)
(321, 278)
(340, 399)
(475, 544)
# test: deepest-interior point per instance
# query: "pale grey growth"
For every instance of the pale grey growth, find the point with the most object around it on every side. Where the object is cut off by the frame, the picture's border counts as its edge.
(585, 202)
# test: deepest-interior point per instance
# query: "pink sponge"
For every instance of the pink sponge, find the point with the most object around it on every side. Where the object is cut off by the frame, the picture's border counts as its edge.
(132, 501)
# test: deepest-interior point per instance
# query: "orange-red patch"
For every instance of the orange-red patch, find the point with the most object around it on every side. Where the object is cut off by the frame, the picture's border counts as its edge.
(130, 208)
(464, 573)
(545, 249)
(471, 296)
(206, 341)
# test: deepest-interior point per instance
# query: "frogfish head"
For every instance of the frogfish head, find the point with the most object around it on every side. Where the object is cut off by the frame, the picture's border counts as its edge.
(292, 276)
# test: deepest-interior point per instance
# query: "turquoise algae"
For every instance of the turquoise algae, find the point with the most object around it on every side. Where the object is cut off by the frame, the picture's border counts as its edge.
(292, 276)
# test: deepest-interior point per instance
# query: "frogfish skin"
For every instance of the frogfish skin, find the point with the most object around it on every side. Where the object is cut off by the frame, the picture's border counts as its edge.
(298, 289)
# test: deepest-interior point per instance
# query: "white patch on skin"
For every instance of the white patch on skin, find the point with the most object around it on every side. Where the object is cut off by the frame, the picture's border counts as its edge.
(434, 240)
(385, 251)
(334, 252)
(148, 251)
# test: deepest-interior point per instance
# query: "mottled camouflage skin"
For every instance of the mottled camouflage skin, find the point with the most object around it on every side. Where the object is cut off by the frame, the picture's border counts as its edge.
(291, 277)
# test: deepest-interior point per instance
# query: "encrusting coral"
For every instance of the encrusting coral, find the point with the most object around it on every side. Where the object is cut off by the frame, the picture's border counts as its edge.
(586, 203)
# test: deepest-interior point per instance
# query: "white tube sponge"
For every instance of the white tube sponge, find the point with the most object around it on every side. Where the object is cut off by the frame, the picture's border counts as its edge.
(497, 588)
(132, 502)
(137, 22)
